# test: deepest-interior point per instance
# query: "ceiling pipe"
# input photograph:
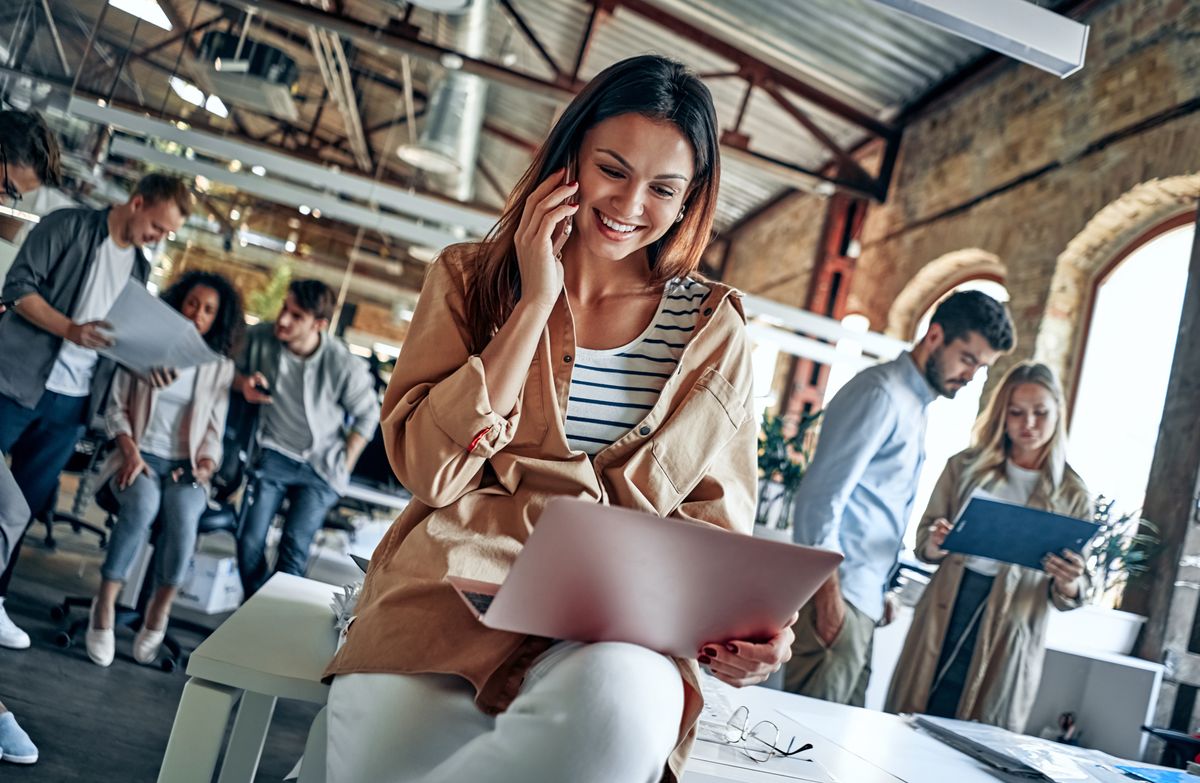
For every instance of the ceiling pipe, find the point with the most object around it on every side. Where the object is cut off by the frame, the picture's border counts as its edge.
(449, 143)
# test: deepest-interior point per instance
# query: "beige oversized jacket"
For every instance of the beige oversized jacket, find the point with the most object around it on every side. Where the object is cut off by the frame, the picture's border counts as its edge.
(1006, 666)
(479, 482)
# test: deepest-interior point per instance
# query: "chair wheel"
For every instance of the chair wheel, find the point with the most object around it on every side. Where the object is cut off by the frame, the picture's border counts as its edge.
(62, 639)
(167, 664)
(58, 613)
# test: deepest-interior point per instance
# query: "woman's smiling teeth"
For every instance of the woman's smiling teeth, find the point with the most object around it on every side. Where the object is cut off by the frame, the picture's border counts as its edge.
(623, 228)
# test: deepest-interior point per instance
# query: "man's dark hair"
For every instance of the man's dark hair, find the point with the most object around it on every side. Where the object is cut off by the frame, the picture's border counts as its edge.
(314, 297)
(28, 141)
(225, 336)
(975, 311)
(156, 187)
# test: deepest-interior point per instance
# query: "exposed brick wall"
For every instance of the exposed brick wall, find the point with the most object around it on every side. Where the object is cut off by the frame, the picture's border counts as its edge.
(1035, 135)
(1015, 165)
(774, 254)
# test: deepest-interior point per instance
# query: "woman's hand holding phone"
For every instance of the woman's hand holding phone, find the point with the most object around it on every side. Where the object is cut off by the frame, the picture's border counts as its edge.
(539, 239)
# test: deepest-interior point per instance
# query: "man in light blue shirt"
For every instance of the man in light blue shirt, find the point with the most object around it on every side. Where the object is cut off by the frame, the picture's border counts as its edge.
(857, 495)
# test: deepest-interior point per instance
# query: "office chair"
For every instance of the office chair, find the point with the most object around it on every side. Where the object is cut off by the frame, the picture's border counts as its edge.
(221, 515)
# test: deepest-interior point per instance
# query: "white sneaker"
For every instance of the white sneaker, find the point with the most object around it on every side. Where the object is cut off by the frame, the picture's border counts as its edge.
(101, 644)
(146, 644)
(11, 636)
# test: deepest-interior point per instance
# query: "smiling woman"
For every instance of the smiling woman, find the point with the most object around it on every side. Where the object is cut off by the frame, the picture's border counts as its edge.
(574, 353)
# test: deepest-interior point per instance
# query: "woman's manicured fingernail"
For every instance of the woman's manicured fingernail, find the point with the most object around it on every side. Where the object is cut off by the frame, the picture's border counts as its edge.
(732, 648)
(710, 652)
(705, 659)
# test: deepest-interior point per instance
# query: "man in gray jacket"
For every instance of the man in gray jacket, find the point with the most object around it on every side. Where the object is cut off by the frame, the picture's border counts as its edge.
(65, 278)
(319, 411)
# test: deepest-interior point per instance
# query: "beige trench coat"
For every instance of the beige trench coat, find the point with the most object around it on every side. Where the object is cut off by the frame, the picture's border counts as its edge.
(479, 482)
(1006, 666)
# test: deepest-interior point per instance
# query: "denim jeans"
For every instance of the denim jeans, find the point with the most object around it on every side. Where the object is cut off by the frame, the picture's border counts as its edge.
(40, 441)
(309, 498)
(179, 504)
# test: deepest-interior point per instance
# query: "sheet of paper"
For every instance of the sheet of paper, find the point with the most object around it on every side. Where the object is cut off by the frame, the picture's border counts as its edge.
(729, 756)
(149, 333)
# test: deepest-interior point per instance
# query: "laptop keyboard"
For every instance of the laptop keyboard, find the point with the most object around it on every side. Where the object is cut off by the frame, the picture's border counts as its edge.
(717, 707)
(481, 601)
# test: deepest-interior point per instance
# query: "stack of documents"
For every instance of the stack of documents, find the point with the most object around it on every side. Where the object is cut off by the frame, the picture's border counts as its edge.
(1021, 755)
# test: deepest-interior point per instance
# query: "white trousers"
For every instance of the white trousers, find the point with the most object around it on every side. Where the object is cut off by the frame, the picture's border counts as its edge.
(586, 713)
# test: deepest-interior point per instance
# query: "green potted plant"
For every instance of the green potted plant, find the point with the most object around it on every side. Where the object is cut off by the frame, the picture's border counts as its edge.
(783, 457)
(1123, 547)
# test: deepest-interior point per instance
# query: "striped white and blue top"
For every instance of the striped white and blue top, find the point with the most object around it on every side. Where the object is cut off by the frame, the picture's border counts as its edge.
(612, 390)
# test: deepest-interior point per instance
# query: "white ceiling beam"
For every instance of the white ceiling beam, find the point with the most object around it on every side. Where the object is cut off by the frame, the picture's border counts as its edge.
(793, 319)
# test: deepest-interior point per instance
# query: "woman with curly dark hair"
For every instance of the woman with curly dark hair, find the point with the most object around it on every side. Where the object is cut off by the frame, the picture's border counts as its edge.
(168, 447)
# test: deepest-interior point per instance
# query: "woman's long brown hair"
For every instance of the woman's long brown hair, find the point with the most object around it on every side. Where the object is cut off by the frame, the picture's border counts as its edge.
(655, 87)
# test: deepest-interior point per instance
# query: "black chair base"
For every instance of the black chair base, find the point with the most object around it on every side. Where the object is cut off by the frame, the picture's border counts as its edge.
(126, 617)
(77, 526)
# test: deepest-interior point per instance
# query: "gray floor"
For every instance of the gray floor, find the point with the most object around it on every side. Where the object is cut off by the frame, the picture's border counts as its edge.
(94, 724)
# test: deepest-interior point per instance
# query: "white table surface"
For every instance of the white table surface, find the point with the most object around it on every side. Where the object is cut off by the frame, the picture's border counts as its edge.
(375, 497)
(278, 643)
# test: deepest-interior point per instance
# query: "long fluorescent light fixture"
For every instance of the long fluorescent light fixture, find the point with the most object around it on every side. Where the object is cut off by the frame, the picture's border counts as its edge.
(146, 10)
(288, 194)
(476, 222)
(1017, 28)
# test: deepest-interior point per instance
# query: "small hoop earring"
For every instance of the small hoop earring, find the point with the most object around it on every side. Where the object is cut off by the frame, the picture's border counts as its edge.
(679, 217)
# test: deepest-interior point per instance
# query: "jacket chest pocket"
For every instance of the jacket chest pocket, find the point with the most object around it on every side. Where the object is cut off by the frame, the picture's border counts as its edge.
(698, 431)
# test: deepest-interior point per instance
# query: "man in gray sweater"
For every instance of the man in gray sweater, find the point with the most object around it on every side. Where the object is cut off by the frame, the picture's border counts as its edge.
(319, 411)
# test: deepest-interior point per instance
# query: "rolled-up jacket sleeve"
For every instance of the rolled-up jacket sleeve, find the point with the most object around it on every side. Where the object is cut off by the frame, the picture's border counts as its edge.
(438, 423)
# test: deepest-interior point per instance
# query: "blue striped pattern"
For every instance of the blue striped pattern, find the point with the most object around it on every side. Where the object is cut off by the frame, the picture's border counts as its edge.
(611, 391)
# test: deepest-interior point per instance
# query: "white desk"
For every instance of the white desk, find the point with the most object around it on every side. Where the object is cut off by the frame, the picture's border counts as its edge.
(855, 745)
(375, 497)
(276, 645)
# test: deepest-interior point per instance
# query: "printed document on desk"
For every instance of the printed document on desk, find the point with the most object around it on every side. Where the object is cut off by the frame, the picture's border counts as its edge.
(149, 333)
(1014, 533)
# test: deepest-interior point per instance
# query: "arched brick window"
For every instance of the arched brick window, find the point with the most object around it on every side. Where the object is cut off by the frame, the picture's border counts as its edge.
(1129, 343)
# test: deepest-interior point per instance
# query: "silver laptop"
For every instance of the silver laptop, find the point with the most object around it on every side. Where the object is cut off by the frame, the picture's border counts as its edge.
(593, 573)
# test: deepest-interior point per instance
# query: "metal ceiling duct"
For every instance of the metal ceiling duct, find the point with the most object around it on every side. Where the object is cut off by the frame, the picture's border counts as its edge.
(449, 141)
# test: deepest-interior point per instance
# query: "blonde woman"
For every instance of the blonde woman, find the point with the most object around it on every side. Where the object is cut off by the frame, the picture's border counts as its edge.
(978, 637)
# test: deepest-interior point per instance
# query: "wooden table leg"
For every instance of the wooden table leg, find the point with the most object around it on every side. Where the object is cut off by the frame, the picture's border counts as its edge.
(198, 731)
(247, 738)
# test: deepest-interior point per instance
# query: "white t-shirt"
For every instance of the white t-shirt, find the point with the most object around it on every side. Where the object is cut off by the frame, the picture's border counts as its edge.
(1017, 487)
(72, 371)
(166, 435)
